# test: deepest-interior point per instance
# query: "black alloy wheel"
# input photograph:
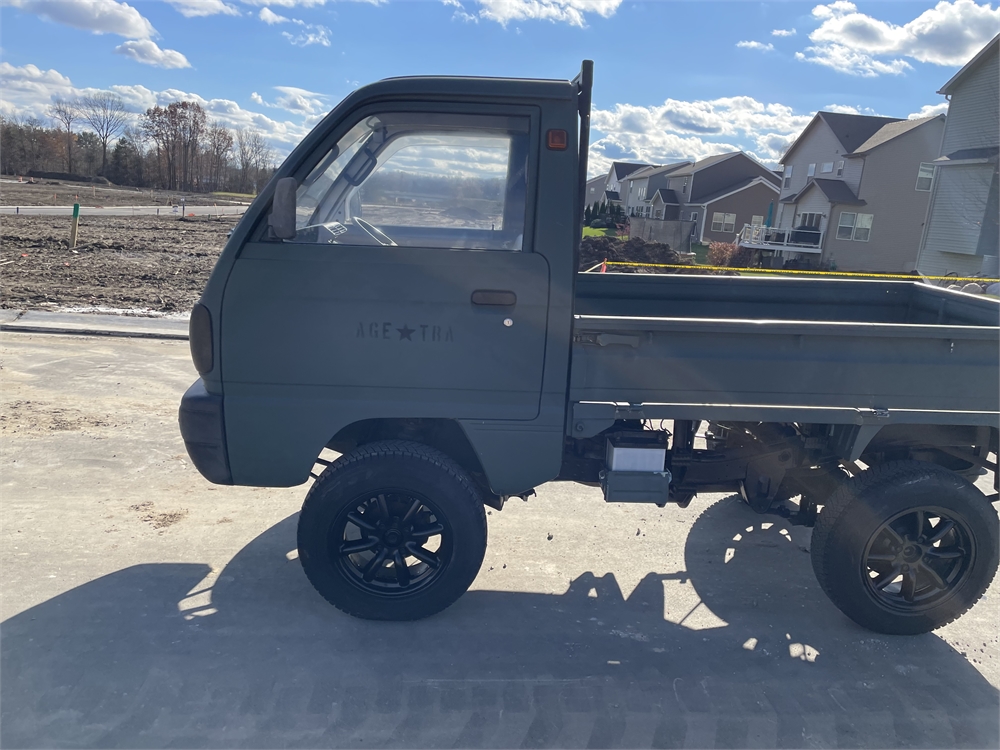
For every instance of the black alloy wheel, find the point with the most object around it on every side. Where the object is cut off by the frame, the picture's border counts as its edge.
(392, 530)
(391, 543)
(919, 558)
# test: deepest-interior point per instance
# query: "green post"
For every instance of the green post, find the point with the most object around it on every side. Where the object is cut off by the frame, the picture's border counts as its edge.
(74, 225)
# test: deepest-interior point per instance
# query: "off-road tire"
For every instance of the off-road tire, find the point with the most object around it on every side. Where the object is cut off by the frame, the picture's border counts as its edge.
(855, 513)
(368, 470)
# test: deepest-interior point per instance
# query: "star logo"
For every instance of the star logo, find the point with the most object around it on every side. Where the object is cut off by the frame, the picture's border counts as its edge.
(406, 332)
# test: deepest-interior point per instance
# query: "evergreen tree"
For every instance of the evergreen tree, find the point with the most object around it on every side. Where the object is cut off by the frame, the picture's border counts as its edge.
(586, 215)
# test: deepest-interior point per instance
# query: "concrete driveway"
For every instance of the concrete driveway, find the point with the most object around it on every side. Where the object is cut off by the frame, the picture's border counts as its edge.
(143, 607)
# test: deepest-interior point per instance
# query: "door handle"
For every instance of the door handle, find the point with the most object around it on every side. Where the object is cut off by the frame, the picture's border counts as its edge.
(494, 298)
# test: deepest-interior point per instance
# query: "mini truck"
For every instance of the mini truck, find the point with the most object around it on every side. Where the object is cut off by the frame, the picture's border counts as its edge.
(405, 292)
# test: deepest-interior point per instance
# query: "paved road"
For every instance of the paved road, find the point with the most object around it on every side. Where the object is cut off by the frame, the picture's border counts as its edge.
(91, 211)
(144, 607)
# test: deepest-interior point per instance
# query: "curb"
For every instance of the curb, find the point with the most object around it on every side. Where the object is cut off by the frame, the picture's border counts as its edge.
(89, 324)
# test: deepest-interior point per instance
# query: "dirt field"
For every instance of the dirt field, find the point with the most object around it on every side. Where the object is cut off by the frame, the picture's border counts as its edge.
(54, 193)
(143, 264)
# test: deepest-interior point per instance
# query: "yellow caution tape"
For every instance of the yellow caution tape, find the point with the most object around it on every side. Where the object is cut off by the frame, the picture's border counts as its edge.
(906, 276)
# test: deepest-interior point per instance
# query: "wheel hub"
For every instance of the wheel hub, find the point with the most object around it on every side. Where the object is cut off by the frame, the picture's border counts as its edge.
(392, 538)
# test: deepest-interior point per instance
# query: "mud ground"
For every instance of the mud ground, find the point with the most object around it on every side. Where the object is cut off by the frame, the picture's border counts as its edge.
(143, 264)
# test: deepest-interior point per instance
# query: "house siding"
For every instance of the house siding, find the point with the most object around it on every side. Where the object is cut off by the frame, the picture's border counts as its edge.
(899, 210)
(747, 203)
(974, 110)
(960, 194)
(718, 177)
(820, 145)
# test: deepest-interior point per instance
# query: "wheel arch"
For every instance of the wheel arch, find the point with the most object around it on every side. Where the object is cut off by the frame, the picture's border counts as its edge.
(445, 435)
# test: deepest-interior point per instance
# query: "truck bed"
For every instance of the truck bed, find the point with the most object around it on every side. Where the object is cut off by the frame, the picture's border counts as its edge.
(785, 349)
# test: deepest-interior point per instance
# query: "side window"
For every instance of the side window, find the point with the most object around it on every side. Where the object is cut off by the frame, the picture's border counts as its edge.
(420, 180)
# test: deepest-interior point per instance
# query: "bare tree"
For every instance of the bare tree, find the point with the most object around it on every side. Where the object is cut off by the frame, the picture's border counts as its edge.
(219, 145)
(254, 156)
(106, 115)
(66, 113)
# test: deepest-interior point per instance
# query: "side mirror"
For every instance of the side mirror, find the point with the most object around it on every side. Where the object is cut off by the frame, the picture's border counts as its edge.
(282, 217)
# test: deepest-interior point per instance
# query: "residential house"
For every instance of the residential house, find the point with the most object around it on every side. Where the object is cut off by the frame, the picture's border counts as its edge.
(961, 233)
(719, 194)
(847, 193)
(638, 189)
(612, 183)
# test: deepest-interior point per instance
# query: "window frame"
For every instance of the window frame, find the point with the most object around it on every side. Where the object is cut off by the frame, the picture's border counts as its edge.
(823, 167)
(930, 183)
(721, 221)
(811, 170)
(317, 151)
(857, 226)
(730, 221)
(850, 227)
(840, 168)
(786, 182)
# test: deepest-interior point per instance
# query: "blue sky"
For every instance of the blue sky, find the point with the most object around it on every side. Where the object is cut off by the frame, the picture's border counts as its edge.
(673, 79)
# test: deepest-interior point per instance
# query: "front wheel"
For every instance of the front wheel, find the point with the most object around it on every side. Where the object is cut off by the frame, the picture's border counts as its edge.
(905, 547)
(392, 531)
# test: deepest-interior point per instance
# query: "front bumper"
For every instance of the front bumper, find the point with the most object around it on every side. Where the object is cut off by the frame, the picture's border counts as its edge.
(204, 431)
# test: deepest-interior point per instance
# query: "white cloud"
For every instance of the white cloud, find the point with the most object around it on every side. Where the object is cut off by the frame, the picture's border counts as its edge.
(310, 34)
(679, 130)
(756, 45)
(929, 110)
(850, 61)
(573, 12)
(783, 32)
(271, 18)
(28, 91)
(295, 100)
(950, 33)
(198, 8)
(97, 16)
(148, 52)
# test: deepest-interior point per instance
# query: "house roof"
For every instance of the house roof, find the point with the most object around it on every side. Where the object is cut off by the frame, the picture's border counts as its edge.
(968, 154)
(850, 130)
(893, 130)
(653, 170)
(981, 57)
(668, 197)
(623, 169)
(836, 191)
(702, 163)
(737, 187)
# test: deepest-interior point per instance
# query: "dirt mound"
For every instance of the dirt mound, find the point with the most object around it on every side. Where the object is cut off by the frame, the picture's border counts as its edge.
(594, 250)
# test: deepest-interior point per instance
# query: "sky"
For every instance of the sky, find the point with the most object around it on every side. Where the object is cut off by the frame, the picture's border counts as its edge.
(673, 80)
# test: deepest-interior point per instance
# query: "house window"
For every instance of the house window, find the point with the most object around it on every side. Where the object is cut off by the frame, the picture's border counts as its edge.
(684, 187)
(642, 193)
(925, 177)
(788, 177)
(863, 227)
(810, 220)
(811, 171)
(694, 216)
(827, 167)
(840, 168)
(722, 222)
(756, 221)
(845, 229)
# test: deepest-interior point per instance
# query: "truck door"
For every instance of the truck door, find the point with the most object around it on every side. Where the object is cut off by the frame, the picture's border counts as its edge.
(410, 287)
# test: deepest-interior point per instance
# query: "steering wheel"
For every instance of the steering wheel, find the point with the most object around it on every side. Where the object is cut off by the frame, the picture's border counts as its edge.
(376, 234)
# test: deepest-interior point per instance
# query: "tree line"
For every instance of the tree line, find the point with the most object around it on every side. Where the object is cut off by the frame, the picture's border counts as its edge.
(174, 147)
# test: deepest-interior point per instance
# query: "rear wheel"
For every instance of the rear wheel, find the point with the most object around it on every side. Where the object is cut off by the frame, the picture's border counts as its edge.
(905, 547)
(392, 531)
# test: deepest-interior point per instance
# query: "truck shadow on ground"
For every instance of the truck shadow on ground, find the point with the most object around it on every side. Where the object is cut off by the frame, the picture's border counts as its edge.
(142, 658)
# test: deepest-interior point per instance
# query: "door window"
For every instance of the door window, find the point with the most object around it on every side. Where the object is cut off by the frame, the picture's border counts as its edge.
(420, 180)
